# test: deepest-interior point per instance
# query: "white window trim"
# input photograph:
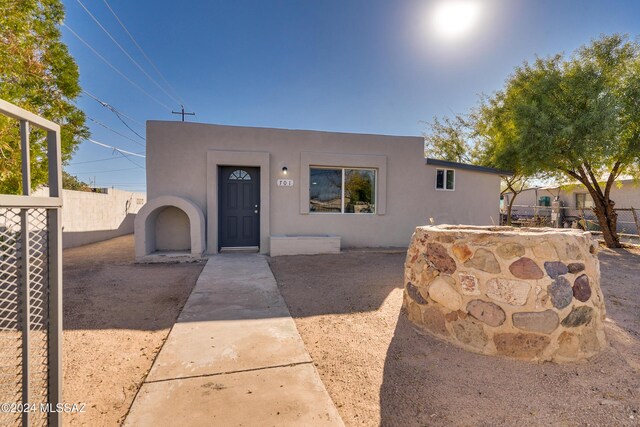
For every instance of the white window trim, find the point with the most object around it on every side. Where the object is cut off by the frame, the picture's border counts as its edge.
(444, 181)
(343, 168)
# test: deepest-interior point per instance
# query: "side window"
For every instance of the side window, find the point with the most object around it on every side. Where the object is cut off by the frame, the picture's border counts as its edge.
(583, 201)
(450, 179)
(445, 179)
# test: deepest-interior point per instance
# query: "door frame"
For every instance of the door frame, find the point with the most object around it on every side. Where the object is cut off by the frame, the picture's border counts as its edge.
(217, 158)
(222, 181)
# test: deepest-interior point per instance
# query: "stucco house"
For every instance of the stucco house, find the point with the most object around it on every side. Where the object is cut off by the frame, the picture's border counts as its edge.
(576, 202)
(214, 188)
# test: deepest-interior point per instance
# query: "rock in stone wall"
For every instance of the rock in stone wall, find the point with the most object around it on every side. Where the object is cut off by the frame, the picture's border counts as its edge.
(526, 293)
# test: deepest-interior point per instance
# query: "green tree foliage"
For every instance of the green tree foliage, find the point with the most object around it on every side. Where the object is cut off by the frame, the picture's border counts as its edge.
(465, 140)
(447, 139)
(70, 182)
(38, 74)
(574, 119)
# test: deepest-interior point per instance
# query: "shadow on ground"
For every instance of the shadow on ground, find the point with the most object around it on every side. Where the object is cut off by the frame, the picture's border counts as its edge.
(103, 288)
(621, 287)
(344, 283)
(380, 370)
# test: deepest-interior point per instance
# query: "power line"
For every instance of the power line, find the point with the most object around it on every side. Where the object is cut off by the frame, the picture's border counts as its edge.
(119, 114)
(144, 53)
(112, 108)
(119, 150)
(94, 161)
(131, 161)
(124, 153)
(127, 53)
(115, 69)
(136, 184)
(96, 172)
(128, 127)
(116, 132)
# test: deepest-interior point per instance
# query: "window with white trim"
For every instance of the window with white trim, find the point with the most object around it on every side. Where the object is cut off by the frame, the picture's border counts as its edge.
(445, 179)
(342, 190)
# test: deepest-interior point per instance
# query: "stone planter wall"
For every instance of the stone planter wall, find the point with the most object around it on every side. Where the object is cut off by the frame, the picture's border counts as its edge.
(526, 293)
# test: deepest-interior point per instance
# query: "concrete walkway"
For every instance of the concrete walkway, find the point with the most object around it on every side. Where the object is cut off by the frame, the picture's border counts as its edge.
(234, 358)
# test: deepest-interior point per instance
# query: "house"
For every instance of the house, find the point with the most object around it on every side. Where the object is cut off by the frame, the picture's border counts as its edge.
(213, 188)
(576, 203)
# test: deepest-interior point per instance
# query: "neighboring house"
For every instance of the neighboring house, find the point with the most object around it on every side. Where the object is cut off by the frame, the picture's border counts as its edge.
(575, 202)
(214, 187)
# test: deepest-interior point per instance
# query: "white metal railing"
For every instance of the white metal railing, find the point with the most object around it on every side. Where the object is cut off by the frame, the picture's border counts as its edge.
(31, 283)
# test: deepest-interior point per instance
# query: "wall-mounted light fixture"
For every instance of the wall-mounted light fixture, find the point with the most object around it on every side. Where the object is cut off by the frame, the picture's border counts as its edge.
(284, 170)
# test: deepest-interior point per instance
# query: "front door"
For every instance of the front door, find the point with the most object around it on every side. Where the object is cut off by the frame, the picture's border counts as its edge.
(239, 201)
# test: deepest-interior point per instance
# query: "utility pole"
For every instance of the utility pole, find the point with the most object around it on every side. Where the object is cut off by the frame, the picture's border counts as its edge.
(182, 113)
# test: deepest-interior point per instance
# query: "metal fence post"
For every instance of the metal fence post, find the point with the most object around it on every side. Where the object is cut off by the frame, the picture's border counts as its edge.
(26, 268)
(25, 287)
(34, 278)
(55, 279)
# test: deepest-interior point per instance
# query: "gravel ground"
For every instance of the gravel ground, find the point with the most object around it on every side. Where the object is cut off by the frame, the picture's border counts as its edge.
(117, 315)
(379, 370)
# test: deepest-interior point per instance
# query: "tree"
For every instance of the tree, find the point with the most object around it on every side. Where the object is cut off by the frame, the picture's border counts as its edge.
(574, 119)
(70, 182)
(468, 140)
(494, 135)
(447, 139)
(38, 74)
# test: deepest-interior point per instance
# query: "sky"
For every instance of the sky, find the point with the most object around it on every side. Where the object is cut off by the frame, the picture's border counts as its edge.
(364, 66)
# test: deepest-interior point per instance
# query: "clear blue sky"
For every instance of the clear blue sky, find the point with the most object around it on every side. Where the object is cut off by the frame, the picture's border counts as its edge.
(371, 66)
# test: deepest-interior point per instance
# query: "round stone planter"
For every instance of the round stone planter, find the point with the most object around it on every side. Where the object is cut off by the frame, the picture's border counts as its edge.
(520, 292)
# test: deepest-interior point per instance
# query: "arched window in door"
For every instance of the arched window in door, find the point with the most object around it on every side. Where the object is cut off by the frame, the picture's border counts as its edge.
(240, 175)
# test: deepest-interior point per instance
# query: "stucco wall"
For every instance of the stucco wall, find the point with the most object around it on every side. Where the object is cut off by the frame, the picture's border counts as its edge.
(626, 194)
(92, 217)
(177, 165)
(172, 230)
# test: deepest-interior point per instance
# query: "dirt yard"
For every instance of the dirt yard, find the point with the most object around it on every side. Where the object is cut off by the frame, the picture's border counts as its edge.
(380, 371)
(116, 317)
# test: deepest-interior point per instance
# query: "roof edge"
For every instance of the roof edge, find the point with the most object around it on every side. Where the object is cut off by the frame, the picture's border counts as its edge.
(385, 135)
(466, 166)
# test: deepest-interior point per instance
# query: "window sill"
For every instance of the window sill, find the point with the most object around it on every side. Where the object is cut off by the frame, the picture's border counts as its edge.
(342, 213)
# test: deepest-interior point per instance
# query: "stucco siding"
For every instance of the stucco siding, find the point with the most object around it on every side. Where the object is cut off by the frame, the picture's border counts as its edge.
(625, 194)
(177, 164)
(172, 230)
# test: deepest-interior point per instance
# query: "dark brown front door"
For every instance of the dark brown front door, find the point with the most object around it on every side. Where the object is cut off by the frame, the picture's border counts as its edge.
(239, 202)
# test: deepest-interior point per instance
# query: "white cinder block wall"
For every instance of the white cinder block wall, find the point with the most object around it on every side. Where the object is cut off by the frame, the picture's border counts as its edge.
(92, 217)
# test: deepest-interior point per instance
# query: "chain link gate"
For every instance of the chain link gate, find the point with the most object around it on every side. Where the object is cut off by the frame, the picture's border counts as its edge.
(31, 289)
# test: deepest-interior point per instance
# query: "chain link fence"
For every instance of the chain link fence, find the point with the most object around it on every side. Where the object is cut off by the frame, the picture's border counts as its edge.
(24, 312)
(628, 225)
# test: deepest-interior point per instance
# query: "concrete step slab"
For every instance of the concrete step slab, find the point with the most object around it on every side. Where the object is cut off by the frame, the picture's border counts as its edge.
(213, 347)
(284, 396)
(234, 357)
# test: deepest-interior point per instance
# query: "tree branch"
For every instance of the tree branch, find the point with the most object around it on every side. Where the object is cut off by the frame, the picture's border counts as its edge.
(596, 185)
(612, 177)
(572, 174)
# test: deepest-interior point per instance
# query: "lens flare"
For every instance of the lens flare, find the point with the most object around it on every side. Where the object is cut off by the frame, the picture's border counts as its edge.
(455, 19)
